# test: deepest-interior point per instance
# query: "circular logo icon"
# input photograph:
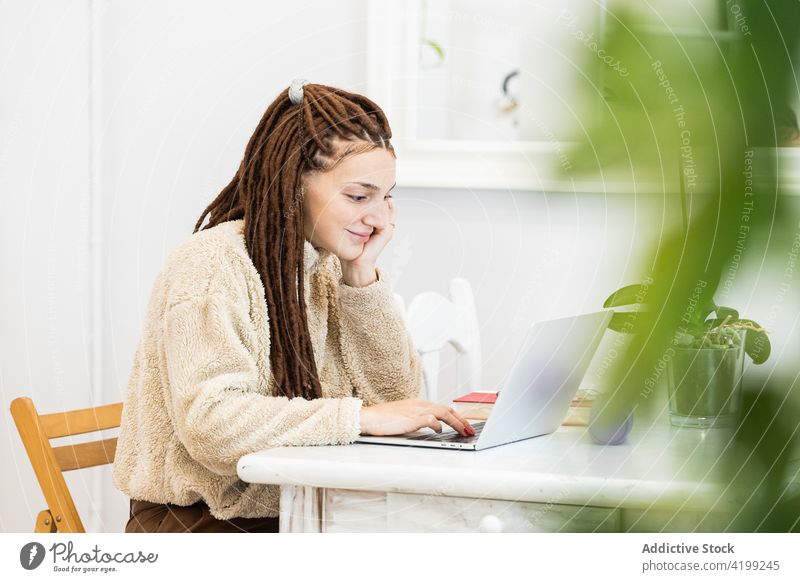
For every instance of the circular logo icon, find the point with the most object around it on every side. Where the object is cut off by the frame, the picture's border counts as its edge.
(31, 555)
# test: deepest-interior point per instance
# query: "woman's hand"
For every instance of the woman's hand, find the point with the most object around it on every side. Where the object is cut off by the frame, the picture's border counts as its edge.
(360, 272)
(402, 416)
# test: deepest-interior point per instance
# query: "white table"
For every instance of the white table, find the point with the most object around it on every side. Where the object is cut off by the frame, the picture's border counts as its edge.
(661, 479)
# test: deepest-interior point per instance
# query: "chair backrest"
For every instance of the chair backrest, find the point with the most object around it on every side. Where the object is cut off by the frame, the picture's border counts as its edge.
(434, 321)
(50, 462)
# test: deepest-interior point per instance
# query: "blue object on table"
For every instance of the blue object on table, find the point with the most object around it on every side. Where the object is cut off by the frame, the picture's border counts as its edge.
(609, 428)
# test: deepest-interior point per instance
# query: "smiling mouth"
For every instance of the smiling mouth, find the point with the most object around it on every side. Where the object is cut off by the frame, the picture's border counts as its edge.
(359, 236)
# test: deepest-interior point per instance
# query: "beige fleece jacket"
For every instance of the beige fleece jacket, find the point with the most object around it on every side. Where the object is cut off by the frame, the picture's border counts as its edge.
(198, 396)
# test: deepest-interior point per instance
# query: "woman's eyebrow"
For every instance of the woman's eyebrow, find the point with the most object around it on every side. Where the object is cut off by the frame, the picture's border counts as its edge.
(372, 187)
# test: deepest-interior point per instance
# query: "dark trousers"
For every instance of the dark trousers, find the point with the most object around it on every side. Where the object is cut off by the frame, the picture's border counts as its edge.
(149, 517)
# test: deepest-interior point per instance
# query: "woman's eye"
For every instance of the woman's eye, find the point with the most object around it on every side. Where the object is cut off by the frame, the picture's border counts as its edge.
(357, 198)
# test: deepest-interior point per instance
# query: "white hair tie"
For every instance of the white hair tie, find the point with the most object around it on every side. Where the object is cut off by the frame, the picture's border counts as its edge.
(296, 90)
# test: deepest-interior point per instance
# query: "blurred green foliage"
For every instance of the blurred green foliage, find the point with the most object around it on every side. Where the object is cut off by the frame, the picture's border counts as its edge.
(703, 115)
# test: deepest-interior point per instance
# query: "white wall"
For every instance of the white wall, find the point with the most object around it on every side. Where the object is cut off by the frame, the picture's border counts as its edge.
(44, 229)
(183, 86)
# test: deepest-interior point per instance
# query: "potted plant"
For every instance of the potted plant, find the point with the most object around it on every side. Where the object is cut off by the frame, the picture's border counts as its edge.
(705, 361)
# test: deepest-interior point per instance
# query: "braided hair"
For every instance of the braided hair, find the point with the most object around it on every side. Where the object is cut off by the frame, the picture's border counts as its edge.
(290, 142)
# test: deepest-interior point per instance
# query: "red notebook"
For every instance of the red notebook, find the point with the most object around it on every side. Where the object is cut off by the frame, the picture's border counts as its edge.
(478, 397)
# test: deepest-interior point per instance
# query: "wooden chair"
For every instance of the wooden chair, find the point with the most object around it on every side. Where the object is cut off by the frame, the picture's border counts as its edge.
(49, 462)
(434, 321)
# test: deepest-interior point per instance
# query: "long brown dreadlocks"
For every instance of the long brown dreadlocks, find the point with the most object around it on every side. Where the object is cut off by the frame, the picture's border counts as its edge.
(291, 141)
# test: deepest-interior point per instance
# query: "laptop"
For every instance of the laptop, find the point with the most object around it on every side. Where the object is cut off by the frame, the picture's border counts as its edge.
(536, 396)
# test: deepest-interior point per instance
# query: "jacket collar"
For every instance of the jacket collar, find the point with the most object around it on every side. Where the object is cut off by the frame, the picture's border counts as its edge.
(311, 256)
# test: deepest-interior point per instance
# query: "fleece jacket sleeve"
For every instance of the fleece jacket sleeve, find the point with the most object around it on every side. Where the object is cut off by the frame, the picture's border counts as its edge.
(212, 399)
(379, 355)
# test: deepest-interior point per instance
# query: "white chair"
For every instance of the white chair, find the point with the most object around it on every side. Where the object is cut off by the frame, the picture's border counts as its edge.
(434, 321)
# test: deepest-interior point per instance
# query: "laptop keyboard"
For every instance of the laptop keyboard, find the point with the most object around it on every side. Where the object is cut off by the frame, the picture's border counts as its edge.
(451, 435)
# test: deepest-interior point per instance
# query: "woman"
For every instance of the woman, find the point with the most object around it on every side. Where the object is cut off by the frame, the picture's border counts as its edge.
(271, 325)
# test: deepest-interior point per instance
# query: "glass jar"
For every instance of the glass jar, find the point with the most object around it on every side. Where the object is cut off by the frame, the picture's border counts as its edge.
(705, 385)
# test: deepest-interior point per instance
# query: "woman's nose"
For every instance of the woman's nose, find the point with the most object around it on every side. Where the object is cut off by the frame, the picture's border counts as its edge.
(376, 215)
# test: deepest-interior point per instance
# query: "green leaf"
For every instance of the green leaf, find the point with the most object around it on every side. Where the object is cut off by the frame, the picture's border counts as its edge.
(626, 296)
(712, 323)
(623, 322)
(756, 344)
(723, 312)
(706, 309)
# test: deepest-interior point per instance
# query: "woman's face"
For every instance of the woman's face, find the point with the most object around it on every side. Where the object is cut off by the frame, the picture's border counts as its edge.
(350, 199)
